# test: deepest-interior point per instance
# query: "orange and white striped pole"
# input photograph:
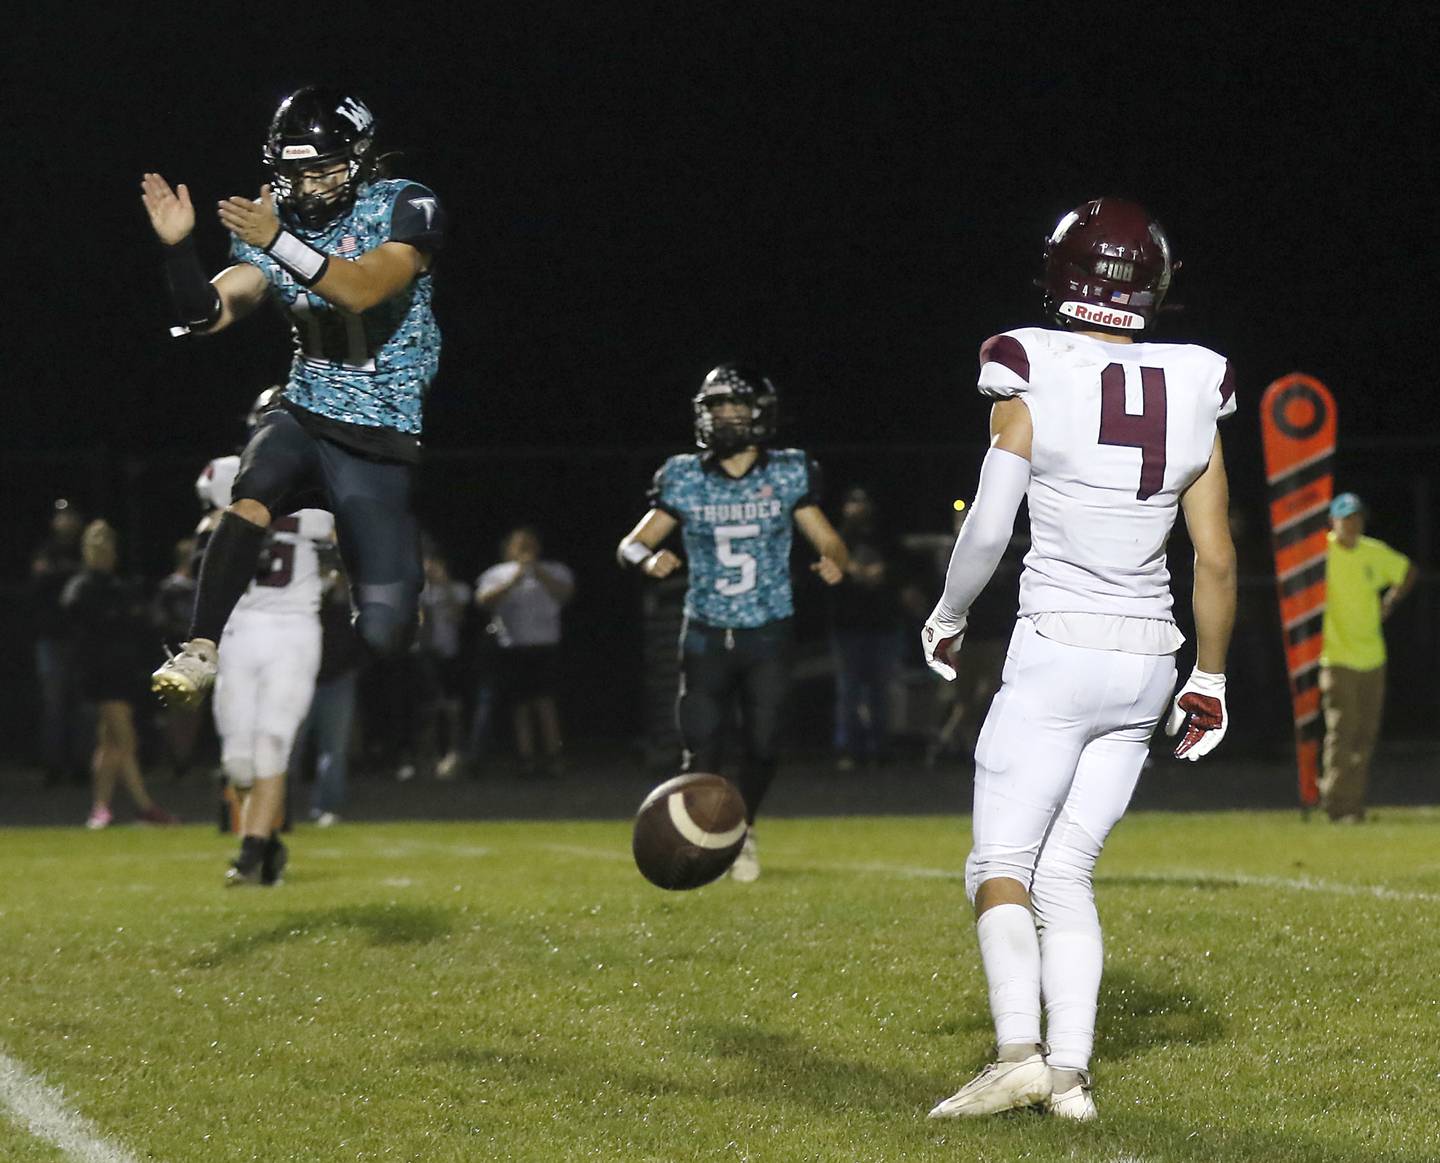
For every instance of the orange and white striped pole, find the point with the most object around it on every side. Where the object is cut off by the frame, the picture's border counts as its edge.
(1297, 426)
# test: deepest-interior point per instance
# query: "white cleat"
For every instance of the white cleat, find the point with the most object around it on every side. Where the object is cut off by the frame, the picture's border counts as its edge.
(186, 678)
(746, 868)
(1077, 1103)
(1001, 1086)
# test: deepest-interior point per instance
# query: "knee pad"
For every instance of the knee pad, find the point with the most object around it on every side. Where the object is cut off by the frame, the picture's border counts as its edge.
(272, 756)
(239, 770)
(983, 866)
(1062, 892)
(384, 631)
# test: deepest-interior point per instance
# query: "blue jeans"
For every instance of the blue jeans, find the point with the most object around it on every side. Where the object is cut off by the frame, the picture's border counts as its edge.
(328, 724)
(865, 662)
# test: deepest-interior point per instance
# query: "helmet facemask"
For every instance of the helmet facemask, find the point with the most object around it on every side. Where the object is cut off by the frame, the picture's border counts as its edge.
(317, 208)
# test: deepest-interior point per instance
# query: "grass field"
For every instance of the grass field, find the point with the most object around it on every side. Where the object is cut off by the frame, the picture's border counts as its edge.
(502, 991)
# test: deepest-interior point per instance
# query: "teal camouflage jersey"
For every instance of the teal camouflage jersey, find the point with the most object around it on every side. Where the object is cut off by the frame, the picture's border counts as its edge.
(371, 368)
(737, 532)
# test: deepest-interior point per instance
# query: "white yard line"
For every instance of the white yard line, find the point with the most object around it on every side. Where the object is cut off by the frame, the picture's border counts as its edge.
(42, 1111)
(1169, 876)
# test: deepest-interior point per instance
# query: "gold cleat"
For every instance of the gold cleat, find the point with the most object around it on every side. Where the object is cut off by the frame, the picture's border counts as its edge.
(186, 678)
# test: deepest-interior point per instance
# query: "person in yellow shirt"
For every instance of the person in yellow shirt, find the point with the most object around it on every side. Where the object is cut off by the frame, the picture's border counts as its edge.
(1365, 579)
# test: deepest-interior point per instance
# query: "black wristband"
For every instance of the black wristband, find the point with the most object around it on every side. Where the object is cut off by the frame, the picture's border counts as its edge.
(302, 260)
(196, 300)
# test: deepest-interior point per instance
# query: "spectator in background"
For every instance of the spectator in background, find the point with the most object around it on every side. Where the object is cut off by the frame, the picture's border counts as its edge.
(332, 709)
(52, 565)
(1365, 579)
(170, 611)
(444, 604)
(867, 615)
(524, 596)
(111, 635)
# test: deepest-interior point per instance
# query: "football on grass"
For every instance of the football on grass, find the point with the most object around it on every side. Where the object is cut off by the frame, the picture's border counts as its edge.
(689, 830)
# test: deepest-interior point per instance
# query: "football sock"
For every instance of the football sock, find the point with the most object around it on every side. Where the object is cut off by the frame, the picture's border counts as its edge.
(1010, 952)
(252, 851)
(1070, 964)
(226, 570)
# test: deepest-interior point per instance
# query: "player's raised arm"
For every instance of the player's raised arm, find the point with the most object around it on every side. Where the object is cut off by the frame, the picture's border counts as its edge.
(1200, 704)
(641, 546)
(834, 555)
(355, 285)
(202, 304)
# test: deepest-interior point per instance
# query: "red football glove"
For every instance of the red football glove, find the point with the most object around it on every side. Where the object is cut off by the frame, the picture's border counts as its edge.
(1200, 709)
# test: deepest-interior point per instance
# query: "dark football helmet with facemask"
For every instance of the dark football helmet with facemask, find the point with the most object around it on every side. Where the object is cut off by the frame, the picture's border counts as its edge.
(732, 383)
(318, 128)
(1107, 268)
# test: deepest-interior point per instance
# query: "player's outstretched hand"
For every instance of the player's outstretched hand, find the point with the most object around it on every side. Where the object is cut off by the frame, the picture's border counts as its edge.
(171, 214)
(661, 563)
(1200, 709)
(830, 573)
(255, 223)
(940, 641)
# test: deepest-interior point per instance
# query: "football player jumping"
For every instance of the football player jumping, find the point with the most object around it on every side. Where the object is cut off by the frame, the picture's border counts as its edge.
(347, 255)
(735, 503)
(1106, 434)
(270, 656)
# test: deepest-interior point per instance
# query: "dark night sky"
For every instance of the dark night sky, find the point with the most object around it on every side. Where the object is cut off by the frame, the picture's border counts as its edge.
(855, 198)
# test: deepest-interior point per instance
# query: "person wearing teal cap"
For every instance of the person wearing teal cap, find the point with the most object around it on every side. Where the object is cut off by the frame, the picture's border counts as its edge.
(1365, 580)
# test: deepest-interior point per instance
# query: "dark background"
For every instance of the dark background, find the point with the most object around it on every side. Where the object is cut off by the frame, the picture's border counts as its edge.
(853, 196)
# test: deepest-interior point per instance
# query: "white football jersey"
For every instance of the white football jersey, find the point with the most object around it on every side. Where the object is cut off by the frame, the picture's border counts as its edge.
(1121, 430)
(288, 578)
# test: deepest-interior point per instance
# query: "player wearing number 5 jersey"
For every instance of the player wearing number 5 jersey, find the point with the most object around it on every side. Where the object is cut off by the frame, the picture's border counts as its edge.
(346, 255)
(736, 503)
(269, 657)
(1107, 436)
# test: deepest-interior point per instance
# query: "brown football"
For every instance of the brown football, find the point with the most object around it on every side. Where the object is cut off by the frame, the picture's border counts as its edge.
(689, 830)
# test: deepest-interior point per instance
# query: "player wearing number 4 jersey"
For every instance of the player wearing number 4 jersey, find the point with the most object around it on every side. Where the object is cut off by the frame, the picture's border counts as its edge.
(269, 657)
(347, 256)
(1107, 436)
(735, 503)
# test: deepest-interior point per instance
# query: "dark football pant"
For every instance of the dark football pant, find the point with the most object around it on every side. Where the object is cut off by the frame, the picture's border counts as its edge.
(286, 468)
(721, 670)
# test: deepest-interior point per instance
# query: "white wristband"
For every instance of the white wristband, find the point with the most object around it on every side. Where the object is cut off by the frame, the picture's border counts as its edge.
(634, 553)
(302, 260)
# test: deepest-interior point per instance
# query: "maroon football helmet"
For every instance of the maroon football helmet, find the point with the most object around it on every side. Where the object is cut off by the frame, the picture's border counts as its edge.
(1107, 268)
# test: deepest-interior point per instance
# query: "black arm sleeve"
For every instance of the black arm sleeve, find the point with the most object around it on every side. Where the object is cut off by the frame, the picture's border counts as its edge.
(418, 218)
(196, 300)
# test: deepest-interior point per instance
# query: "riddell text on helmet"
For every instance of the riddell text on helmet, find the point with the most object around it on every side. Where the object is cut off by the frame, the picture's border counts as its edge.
(1103, 316)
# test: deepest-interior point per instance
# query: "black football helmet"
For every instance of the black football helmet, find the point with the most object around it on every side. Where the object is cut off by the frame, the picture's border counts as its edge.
(732, 383)
(1107, 268)
(315, 128)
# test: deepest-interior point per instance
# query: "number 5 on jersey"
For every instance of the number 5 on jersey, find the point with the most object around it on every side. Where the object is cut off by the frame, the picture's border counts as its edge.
(732, 557)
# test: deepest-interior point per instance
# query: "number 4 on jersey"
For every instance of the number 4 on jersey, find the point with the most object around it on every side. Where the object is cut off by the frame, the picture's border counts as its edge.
(1144, 430)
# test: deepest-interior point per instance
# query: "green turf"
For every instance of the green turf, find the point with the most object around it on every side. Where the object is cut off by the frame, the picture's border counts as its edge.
(515, 991)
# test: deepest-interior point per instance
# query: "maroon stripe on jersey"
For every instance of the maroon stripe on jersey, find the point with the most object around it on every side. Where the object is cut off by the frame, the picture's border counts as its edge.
(1007, 351)
(1227, 384)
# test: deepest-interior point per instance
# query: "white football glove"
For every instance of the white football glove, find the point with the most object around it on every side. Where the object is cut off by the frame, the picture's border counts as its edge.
(1200, 708)
(940, 641)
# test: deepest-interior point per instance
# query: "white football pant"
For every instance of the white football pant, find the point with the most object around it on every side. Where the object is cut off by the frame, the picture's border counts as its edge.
(263, 689)
(1055, 766)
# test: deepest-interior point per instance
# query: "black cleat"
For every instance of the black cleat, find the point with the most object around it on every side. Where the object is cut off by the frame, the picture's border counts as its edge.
(272, 864)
